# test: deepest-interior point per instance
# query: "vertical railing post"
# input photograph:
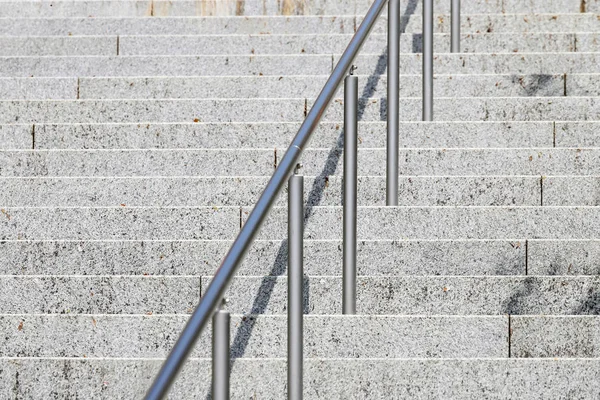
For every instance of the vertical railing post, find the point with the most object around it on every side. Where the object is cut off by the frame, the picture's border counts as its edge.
(427, 60)
(455, 26)
(393, 102)
(350, 193)
(220, 355)
(295, 285)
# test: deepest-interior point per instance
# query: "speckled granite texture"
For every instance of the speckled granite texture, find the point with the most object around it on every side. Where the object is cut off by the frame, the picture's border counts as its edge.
(137, 135)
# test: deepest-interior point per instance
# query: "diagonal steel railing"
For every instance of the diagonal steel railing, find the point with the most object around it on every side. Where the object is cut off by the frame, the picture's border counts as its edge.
(211, 300)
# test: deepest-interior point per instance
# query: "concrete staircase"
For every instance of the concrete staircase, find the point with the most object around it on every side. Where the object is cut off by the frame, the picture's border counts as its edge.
(136, 136)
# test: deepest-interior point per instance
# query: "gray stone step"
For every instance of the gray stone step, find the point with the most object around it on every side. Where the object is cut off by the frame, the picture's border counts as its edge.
(443, 295)
(332, 336)
(525, 22)
(203, 257)
(281, 65)
(38, 88)
(244, 191)
(334, 379)
(65, 8)
(491, 85)
(431, 223)
(99, 295)
(279, 135)
(119, 223)
(285, 44)
(307, 86)
(570, 190)
(374, 223)
(549, 336)
(16, 136)
(577, 134)
(493, 63)
(164, 65)
(504, 109)
(337, 43)
(456, 162)
(316, 162)
(59, 46)
(477, 109)
(471, 23)
(569, 257)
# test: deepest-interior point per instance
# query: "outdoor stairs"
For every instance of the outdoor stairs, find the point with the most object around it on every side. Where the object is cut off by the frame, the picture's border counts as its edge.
(136, 136)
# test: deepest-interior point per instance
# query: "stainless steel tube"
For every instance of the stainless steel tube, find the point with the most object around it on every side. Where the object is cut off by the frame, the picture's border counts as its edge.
(220, 355)
(393, 102)
(295, 286)
(455, 17)
(427, 60)
(215, 291)
(350, 194)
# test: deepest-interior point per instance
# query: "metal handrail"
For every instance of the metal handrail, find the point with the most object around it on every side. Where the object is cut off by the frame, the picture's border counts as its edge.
(216, 289)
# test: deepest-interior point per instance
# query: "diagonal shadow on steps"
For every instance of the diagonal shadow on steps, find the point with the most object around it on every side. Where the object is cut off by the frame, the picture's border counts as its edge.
(261, 300)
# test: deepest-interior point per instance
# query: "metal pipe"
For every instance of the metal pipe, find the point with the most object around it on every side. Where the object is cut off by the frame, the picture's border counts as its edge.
(427, 60)
(350, 194)
(220, 355)
(295, 286)
(393, 102)
(216, 289)
(455, 16)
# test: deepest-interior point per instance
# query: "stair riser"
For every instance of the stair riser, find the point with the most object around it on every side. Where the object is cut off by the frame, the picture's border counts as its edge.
(271, 65)
(347, 379)
(243, 191)
(317, 162)
(270, 257)
(293, 110)
(256, 7)
(471, 23)
(286, 87)
(279, 135)
(423, 295)
(99, 295)
(259, 336)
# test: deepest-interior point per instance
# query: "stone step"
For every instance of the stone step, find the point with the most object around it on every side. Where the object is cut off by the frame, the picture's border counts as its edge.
(475, 109)
(59, 46)
(333, 379)
(472, 134)
(325, 336)
(323, 24)
(99, 294)
(323, 257)
(244, 191)
(489, 85)
(323, 223)
(570, 190)
(432, 223)
(316, 162)
(159, 8)
(302, 86)
(285, 44)
(506, 109)
(570, 257)
(120, 223)
(257, 336)
(337, 43)
(551, 336)
(282, 65)
(412, 295)
(203, 257)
